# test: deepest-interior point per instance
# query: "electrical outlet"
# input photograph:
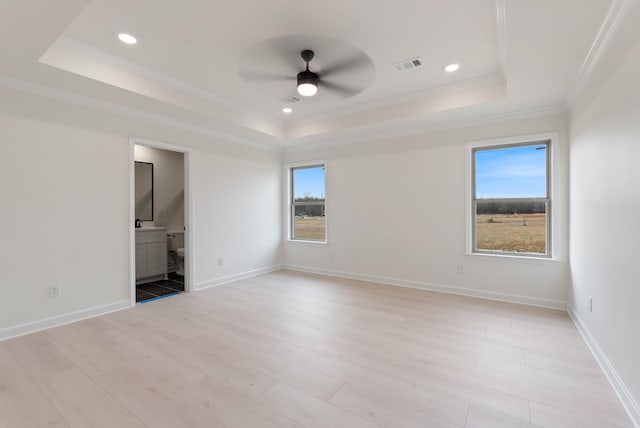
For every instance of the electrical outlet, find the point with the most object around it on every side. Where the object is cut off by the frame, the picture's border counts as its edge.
(590, 304)
(460, 268)
(55, 291)
(220, 261)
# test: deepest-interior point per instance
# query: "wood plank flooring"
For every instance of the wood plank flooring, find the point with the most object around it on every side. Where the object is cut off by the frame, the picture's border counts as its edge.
(293, 350)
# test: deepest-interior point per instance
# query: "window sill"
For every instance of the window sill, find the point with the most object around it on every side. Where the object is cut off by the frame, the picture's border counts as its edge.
(516, 258)
(302, 241)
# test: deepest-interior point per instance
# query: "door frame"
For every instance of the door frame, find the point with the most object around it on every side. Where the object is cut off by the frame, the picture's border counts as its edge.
(188, 212)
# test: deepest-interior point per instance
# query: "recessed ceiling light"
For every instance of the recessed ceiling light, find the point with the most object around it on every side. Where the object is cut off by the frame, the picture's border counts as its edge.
(127, 38)
(287, 110)
(452, 67)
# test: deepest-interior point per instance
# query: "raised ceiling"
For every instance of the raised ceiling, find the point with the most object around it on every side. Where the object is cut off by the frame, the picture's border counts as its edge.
(194, 59)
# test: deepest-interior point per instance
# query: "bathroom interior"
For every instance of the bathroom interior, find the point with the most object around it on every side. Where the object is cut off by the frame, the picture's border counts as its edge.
(159, 223)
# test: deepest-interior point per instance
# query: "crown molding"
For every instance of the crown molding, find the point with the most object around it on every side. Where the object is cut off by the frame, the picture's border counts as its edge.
(610, 25)
(363, 135)
(400, 99)
(501, 21)
(66, 45)
(107, 106)
(399, 132)
(79, 58)
(394, 110)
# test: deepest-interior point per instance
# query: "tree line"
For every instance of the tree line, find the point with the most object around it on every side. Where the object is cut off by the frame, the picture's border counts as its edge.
(315, 209)
(520, 207)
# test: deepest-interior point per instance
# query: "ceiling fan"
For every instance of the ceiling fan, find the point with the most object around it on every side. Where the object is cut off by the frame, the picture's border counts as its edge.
(340, 70)
(307, 80)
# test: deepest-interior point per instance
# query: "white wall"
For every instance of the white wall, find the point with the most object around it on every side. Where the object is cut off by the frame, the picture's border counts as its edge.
(605, 202)
(396, 213)
(65, 210)
(65, 219)
(168, 185)
(237, 214)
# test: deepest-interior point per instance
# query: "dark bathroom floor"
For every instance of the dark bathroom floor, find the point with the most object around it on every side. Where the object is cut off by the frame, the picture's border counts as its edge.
(156, 289)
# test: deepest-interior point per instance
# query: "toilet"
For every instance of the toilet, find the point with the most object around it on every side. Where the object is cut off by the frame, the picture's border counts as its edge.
(175, 243)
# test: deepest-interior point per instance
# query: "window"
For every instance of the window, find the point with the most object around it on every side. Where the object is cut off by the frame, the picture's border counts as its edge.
(510, 199)
(308, 221)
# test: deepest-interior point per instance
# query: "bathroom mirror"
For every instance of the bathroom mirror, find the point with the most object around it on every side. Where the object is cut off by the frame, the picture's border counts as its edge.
(144, 191)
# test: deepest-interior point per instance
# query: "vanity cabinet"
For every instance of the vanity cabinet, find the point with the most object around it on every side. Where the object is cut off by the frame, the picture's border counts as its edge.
(151, 254)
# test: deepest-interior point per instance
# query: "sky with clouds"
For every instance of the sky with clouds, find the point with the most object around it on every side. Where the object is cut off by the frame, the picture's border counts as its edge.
(514, 172)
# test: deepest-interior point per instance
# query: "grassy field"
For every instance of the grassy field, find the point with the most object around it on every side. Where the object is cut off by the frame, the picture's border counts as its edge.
(312, 228)
(521, 233)
(517, 233)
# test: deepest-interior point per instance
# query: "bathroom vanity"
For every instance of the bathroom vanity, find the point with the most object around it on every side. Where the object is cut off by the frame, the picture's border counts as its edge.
(151, 254)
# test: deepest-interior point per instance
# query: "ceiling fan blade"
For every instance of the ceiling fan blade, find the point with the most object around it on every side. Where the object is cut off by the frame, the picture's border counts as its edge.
(353, 63)
(340, 89)
(262, 76)
(271, 61)
(286, 54)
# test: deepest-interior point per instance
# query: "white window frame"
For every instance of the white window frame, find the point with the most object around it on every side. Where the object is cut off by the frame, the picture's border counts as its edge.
(552, 191)
(289, 202)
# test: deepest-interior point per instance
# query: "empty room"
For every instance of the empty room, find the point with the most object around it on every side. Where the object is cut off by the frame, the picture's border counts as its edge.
(338, 214)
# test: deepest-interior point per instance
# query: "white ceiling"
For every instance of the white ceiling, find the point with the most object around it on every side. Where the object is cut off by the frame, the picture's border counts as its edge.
(195, 59)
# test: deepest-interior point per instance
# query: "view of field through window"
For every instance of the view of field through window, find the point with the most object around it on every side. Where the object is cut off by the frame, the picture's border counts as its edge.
(511, 205)
(511, 229)
(308, 203)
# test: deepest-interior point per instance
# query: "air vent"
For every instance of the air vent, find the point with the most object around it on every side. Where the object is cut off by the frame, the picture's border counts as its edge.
(408, 64)
(292, 100)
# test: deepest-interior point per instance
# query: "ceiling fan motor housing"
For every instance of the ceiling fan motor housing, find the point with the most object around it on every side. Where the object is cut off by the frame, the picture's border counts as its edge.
(307, 80)
(307, 55)
(307, 76)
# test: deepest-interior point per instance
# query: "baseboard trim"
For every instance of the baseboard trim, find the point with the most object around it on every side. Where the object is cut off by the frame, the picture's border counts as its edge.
(235, 277)
(58, 320)
(628, 402)
(449, 289)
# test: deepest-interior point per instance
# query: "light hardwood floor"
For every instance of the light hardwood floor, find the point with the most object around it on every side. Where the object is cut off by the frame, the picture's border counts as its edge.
(293, 350)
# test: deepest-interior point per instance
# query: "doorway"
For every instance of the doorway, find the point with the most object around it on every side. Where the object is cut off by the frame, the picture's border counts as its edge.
(160, 239)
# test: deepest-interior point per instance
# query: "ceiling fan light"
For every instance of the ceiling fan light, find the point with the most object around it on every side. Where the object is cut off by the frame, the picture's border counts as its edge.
(307, 89)
(307, 83)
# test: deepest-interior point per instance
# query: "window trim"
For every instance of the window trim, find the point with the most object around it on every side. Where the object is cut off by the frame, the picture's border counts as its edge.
(290, 204)
(552, 141)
